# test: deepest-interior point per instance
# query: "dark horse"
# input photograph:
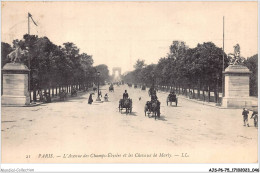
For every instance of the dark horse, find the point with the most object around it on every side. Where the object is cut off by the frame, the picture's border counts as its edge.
(125, 103)
(152, 107)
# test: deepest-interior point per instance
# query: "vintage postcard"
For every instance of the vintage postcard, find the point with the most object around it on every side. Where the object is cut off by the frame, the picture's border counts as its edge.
(129, 82)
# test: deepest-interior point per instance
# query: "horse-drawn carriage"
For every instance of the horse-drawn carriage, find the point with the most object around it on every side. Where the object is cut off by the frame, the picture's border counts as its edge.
(152, 91)
(129, 84)
(152, 107)
(135, 86)
(143, 87)
(111, 88)
(172, 98)
(125, 103)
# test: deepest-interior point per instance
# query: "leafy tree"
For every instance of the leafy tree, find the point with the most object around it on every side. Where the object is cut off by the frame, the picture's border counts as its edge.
(5, 50)
(52, 65)
(252, 64)
(177, 49)
(139, 64)
(148, 74)
(104, 73)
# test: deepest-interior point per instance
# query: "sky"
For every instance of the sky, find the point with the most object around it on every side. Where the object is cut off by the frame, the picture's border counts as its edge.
(119, 33)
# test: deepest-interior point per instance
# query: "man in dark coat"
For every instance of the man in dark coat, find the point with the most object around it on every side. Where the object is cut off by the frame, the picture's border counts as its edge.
(125, 95)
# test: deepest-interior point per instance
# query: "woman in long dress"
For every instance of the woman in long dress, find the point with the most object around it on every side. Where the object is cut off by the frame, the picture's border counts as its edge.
(90, 100)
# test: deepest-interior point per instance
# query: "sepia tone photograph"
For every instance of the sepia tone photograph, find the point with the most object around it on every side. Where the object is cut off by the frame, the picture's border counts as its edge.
(129, 82)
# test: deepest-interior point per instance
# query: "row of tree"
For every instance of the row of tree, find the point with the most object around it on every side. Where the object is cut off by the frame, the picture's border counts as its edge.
(52, 65)
(194, 68)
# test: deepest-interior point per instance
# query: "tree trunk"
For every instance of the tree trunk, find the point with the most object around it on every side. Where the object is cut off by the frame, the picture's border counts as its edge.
(209, 94)
(199, 93)
(52, 94)
(203, 94)
(34, 94)
(215, 95)
(193, 92)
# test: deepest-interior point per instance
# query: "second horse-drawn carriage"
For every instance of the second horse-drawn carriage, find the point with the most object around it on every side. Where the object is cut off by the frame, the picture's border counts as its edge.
(125, 103)
(152, 107)
(172, 98)
(111, 88)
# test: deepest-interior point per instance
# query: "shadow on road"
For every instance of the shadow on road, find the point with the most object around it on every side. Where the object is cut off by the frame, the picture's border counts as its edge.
(171, 106)
(133, 114)
(162, 118)
(128, 114)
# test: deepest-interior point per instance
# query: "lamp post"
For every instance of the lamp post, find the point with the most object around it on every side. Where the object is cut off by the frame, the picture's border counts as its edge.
(98, 98)
(217, 97)
(153, 79)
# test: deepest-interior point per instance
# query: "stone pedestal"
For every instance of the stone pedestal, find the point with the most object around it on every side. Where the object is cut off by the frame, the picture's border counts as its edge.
(15, 85)
(236, 87)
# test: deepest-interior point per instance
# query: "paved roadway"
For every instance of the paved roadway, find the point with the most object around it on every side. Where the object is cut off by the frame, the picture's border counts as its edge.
(89, 133)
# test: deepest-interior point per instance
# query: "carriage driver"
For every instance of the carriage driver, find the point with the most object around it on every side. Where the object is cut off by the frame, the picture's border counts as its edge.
(152, 90)
(125, 95)
(172, 95)
(154, 97)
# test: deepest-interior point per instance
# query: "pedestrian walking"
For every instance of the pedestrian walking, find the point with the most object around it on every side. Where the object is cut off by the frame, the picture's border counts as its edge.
(245, 116)
(255, 117)
(90, 100)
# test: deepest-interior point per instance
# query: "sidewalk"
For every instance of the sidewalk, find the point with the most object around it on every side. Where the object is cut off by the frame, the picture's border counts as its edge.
(213, 104)
(53, 99)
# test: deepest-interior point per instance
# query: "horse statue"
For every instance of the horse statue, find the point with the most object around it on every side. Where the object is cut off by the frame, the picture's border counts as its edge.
(235, 57)
(16, 55)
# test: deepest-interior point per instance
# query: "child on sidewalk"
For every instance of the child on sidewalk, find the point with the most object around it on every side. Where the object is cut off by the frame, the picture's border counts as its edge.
(245, 116)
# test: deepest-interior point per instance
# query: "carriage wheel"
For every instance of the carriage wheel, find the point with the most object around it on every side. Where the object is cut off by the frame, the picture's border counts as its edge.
(131, 110)
(167, 103)
(176, 102)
